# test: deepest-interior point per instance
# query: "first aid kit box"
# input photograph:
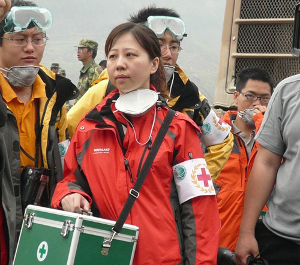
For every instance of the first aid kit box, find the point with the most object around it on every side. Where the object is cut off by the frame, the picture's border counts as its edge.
(51, 236)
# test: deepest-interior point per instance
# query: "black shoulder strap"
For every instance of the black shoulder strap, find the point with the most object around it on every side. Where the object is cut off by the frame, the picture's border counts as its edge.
(37, 132)
(134, 193)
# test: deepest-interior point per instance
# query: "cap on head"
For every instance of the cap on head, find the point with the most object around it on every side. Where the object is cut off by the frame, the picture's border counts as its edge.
(61, 72)
(87, 43)
(55, 65)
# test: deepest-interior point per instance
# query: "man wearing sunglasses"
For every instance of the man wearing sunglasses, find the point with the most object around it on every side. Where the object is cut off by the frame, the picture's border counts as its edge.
(34, 98)
(184, 95)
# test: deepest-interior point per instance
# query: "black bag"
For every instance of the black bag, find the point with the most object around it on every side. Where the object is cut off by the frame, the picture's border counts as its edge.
(33, 182)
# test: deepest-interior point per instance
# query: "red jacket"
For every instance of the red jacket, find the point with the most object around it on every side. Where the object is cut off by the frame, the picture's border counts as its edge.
(3, 248)
(170, 232)
(232, 181)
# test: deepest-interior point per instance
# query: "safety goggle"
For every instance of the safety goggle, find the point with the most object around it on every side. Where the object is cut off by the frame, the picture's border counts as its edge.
(159, 24)
(19, 18)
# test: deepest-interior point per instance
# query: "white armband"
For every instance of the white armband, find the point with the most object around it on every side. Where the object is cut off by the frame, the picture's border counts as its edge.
(214, 130)
(63, 148)
(192, 179)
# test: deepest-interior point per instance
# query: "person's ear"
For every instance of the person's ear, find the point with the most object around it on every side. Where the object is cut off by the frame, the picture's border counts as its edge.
(155, 64)
(235, 96)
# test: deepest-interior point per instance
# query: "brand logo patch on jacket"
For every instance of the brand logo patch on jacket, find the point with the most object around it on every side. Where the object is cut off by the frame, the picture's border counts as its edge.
(101, 151)
(192, 179)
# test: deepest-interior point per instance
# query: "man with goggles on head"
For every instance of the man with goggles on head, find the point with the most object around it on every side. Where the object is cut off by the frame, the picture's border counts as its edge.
(184, 95)
(32, 94)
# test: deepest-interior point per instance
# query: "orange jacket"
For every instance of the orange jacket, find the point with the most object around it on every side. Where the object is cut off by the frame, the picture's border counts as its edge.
(232, 181)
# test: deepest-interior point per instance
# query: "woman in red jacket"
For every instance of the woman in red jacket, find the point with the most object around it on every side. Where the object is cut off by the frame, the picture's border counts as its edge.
(176, 211)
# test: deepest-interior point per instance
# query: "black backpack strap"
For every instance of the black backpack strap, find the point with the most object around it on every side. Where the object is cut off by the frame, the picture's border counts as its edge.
(134, 192)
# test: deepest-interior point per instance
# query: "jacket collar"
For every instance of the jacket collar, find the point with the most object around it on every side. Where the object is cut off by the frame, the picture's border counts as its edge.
(103, 110)
(181, 74)
(85, 68)
(65, 89)
(230, 116)
(184, 92)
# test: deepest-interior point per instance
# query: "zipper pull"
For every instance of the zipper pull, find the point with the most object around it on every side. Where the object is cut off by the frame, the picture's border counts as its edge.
(149, 143)
(128, 168)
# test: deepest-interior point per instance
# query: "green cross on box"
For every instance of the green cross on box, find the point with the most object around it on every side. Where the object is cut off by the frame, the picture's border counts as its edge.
(42, 251)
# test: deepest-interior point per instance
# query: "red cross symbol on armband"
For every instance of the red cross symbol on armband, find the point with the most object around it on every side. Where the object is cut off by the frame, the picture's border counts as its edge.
(204, 177)
(221, 122)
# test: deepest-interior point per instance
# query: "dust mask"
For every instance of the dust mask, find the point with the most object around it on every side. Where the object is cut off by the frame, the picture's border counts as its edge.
(136, 102)
(20, 76)
(247, 117)
(169, 71)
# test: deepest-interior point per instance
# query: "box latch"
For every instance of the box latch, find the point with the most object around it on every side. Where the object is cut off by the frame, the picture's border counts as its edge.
(107, 243)
(65, 228)
(29, 220)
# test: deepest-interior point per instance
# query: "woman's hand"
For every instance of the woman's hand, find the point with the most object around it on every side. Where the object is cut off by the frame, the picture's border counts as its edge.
(75, 203)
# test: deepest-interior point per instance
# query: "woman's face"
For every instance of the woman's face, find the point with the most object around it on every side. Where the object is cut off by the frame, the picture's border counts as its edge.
(128, 64)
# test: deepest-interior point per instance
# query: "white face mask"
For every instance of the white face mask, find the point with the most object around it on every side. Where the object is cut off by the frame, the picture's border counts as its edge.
(136, 102)
(247, 117)
(20, 76)
(169, 71)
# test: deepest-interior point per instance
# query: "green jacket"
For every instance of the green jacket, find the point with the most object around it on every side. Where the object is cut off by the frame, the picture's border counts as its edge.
(88, 75)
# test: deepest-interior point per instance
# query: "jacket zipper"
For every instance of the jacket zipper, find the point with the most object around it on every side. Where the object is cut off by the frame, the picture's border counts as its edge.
(128, 168)
(127, 165)
(242, 145)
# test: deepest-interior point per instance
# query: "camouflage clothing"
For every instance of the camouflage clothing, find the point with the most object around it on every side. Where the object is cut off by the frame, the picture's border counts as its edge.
(88, 75)
(61, 72)
(87, 43)
(55, 65)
